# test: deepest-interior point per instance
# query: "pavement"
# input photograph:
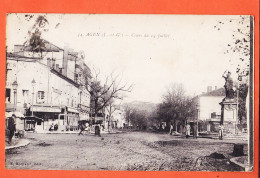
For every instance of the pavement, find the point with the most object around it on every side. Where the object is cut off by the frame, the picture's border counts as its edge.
(17, 143)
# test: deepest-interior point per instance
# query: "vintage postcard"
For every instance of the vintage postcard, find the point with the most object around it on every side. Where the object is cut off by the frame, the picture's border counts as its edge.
(129, 92)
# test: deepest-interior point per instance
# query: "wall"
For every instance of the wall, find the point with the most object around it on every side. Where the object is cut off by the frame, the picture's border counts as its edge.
(208, 105)
(57, 91)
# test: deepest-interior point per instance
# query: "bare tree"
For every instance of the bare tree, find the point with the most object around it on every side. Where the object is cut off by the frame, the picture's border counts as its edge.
(102, 94)
(111, 108)
(176, 106)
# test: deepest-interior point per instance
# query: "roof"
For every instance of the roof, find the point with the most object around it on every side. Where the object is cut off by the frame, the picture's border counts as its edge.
(14, 55)
(217, 92)
(48, 47)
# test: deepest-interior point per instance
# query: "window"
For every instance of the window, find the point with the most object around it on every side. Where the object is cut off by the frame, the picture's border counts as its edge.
(40, 97)
(7, 95)
(25, 95)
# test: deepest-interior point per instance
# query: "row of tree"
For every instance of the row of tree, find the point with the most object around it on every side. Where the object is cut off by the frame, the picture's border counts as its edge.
(176, 108)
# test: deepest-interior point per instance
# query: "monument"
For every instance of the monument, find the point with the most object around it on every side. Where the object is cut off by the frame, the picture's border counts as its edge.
(229, 106)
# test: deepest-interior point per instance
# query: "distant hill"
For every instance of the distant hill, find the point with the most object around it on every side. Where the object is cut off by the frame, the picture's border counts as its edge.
(141, 105)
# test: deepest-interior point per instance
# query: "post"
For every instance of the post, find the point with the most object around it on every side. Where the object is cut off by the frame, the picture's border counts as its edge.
(197, 131)
(237, 112)
(15, 95)
(32, 100)
(198, 110)
(14, 86)
(33, 84)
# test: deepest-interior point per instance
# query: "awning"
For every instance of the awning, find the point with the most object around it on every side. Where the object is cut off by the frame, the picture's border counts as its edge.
(32, 118)
(17, 114)
(45, 109)
(72, 110)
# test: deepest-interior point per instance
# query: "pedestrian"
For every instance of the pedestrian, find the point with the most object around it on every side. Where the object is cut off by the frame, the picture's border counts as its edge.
(56, 127)
(171, 128)
(195, 133)
(97, 130)
(220, 131)
(11, 128)
(82, 128)
(51, 127)
(187, 131)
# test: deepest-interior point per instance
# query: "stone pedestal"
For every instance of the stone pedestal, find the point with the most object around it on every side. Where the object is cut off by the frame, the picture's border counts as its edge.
(229, 115)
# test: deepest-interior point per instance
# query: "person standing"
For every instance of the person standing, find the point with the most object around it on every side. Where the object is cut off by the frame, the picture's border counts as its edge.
(171, 128)
(195, 133)
(11, 128)
(220, 132)
(97, 130)
(187, 130)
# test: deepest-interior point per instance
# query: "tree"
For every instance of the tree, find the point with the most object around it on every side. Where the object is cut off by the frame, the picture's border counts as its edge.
(176, 106)
(35, 41)
(102, 94)
(240, 51)
(111, 108)
(138, 118)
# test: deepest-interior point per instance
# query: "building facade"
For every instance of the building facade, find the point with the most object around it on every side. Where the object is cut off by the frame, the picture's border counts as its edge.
(209, 114)
(42, 87)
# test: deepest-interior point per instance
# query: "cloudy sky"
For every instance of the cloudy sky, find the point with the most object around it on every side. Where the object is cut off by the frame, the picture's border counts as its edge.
(149, 51)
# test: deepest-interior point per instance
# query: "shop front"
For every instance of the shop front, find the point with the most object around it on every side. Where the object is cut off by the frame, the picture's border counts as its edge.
(72, 119)
(42, 117)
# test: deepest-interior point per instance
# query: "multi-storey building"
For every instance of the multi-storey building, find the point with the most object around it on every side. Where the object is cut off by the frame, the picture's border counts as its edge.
(43, 87)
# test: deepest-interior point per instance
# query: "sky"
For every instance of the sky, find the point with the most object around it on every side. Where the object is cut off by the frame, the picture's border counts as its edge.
(149, 51)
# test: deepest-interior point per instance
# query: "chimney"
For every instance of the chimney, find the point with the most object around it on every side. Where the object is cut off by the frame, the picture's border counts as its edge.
(209, 88)
(65, 59)
(216, 87)
(19, 49)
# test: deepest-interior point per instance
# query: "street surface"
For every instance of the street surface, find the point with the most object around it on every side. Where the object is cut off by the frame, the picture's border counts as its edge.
(122, 151)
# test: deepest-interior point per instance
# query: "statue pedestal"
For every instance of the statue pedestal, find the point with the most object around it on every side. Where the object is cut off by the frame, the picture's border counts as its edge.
(229, 115)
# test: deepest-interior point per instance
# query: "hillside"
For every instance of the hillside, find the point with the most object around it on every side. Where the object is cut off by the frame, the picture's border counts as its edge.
(140, 105)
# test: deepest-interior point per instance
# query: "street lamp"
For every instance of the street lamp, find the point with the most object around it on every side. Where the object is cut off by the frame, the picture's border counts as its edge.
(198, 109)
(236, 126)
(33, 85)
(15, 85)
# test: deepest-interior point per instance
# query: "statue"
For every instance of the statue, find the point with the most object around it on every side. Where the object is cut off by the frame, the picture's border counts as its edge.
(228, 85)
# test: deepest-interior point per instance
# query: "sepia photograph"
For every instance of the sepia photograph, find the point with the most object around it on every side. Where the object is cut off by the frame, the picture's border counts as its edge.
(129, 92)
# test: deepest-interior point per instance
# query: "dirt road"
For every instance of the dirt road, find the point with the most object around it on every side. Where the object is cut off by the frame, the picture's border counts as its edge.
(123, 151)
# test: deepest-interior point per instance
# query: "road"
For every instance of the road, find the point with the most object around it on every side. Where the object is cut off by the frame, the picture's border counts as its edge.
(122, 151)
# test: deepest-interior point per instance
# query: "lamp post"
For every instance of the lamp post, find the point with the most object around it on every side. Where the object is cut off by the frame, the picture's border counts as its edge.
(236, 127)
(198, 110)
(15, 85)
(33, 85)
(237, 103)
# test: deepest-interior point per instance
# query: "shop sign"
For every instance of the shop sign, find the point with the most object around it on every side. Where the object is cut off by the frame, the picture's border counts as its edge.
(46, 109)
(72, 110)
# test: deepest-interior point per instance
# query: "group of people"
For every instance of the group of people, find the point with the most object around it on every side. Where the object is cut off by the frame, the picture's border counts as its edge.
(53, 127)
(86, 127)
(187, 129)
